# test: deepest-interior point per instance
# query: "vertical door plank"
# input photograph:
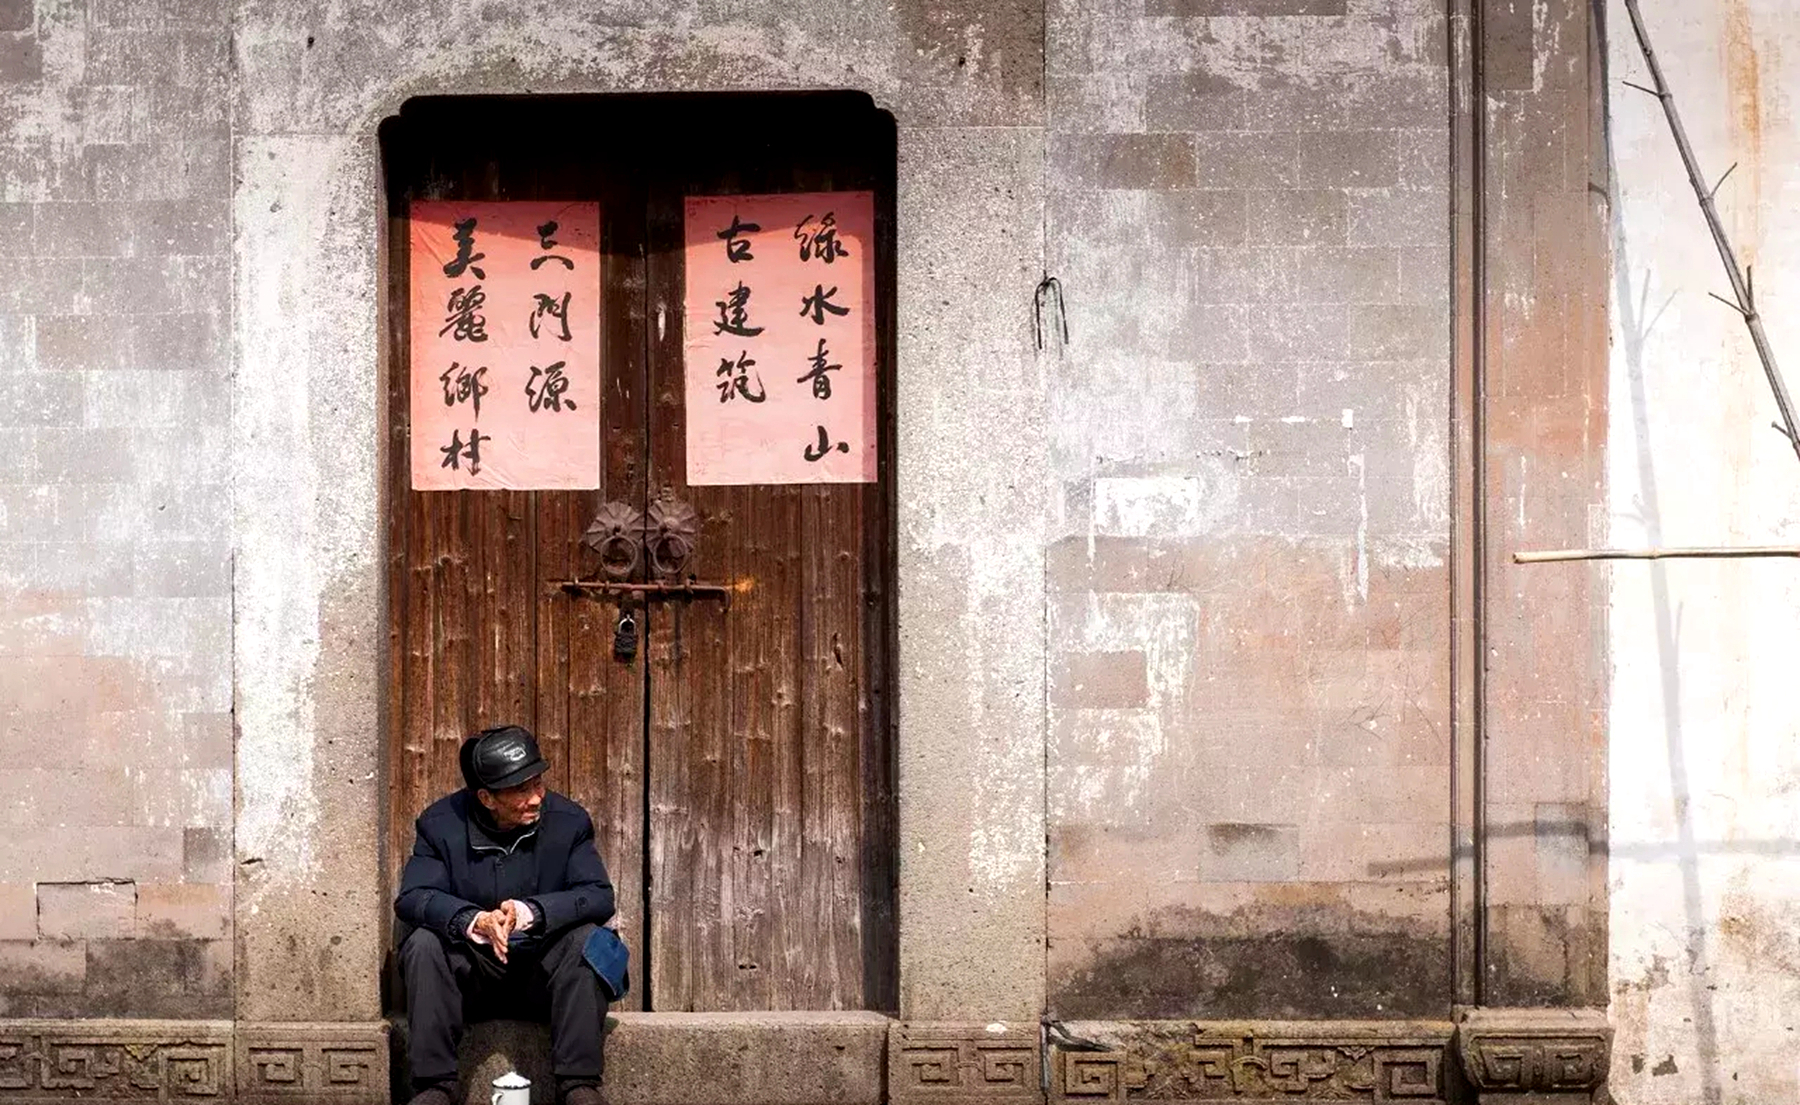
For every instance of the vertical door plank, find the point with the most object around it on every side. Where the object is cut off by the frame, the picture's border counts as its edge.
(553, 538)
(831, 668)
(687, 908)
(877, 739)
(606, 695)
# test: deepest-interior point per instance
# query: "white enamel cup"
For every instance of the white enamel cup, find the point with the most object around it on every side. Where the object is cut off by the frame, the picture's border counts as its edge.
(512, 1088)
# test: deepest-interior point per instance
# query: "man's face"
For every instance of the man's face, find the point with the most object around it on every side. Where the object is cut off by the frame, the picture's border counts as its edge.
(515, 806)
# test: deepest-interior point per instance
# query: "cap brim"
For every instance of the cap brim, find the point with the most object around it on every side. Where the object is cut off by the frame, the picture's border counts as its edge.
(520, 775)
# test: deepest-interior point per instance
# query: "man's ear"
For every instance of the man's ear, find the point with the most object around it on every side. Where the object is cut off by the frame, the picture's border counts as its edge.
(486, 798)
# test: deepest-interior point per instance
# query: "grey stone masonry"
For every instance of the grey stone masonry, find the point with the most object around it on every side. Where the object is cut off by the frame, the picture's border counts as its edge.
(115, 555)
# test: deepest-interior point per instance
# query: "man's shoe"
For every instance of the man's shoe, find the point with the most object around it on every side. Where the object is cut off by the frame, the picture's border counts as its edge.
(434, 1095)
(584, 1095)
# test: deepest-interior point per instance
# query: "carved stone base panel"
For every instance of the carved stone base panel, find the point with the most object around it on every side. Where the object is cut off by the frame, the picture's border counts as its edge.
(1252, 1062)
(1534, 1056)
(964, 1064)
(284, 1064)
(54, 1062)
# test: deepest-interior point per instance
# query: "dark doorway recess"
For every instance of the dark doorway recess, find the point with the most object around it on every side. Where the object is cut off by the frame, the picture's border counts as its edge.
(740, 769)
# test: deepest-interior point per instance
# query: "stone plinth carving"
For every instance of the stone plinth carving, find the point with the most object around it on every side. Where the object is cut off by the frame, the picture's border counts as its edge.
(1199, 1063)
(52, 1062)
(1534, 1056)
(954, 1064)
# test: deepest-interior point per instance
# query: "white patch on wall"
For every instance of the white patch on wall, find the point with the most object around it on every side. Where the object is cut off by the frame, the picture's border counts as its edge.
(1163, 626)
(1164, 506)
(1101, 762)
(1425, 431)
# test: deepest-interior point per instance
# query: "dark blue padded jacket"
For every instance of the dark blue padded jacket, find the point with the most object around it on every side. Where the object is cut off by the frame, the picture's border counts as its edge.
(459, 867)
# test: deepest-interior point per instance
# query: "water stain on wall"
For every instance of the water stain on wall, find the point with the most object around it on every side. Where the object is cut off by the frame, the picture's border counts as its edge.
(1743, 82)
(1323, 961)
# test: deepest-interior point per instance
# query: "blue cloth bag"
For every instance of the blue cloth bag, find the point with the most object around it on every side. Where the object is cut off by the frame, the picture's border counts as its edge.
(611, 960)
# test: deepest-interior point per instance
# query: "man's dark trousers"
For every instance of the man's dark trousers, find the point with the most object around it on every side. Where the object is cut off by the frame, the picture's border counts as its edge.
(451, 982)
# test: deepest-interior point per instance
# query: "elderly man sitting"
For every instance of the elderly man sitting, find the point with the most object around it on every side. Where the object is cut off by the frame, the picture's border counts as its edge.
(502, 890)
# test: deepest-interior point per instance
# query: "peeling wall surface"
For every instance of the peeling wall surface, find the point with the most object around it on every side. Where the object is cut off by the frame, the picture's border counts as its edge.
(1248, 593)
(116, 873)
(1705, 768)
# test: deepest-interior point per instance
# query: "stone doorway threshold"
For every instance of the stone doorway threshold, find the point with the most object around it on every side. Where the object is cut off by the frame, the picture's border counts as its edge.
(791, 1058)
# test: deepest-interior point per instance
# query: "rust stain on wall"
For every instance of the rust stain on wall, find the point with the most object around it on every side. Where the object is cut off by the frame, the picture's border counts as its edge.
(1765, 941)
(1743, 78)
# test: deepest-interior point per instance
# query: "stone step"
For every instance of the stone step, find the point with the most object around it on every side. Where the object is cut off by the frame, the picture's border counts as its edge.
(793, 1058)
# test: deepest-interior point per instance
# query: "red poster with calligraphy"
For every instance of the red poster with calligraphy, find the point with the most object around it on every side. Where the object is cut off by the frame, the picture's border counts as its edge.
(780, 340)
(505, 374)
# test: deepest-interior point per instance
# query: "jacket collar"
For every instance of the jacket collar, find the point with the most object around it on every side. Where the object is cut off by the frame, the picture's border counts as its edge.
(484, 836)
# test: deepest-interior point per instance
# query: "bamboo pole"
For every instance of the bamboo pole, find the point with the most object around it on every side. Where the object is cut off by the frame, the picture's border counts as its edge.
(1742, 284)
(1745, 553)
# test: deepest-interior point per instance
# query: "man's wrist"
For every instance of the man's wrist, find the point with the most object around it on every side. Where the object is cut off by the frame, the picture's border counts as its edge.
(462, 919)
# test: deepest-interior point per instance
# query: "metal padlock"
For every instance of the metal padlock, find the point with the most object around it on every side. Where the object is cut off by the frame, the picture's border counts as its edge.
(625, 639)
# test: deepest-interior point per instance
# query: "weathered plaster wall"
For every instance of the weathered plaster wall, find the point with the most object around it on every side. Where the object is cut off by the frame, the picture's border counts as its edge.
(115, 554)
(963, 83)
(1542, 417)
(1704, 766)
(1249, 707)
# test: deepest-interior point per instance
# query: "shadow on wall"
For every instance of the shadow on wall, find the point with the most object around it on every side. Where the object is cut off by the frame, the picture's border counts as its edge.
(1635, 328)
(1552, 830)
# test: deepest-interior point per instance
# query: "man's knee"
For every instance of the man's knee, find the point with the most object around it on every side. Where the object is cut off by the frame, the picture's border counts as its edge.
(566, 949)
(422, 947)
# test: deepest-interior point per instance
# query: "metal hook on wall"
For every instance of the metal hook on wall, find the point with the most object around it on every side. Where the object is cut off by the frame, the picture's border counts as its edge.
(1047, 287)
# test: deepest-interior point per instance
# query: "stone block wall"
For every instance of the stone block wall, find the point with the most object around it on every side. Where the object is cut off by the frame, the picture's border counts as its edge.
(115, 552)
(1199, 576)
(1249, 758)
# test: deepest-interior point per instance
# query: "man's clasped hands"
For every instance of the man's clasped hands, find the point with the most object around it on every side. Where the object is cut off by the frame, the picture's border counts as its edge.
(495, 927)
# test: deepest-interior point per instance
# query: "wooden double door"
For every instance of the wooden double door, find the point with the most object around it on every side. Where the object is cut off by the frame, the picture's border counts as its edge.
(739, 765)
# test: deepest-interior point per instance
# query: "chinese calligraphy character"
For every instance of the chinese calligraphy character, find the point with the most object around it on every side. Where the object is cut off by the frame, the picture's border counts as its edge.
(548, 305)
(733, 313)
(821, 241)
(465, 258)
(548, 394)
(824, 447)
(821, 383)
(737, 379)
(456, 450)
(462, 323)
(819, 302)
(466, 387)
(547, 243)
(736, 247)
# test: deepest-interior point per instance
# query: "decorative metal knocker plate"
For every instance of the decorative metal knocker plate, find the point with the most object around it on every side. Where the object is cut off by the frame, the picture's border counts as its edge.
(670, 529)
(617, 535)
(663, 540)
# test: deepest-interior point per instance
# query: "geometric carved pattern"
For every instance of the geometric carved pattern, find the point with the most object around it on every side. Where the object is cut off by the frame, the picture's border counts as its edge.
(1535, 1051)
(60, 1061)
(333, 1063)
(52, 1062)
(1238, 1062)
(963, 1064)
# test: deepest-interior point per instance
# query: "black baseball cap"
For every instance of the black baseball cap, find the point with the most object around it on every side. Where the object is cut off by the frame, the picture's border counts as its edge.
(502, 757)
